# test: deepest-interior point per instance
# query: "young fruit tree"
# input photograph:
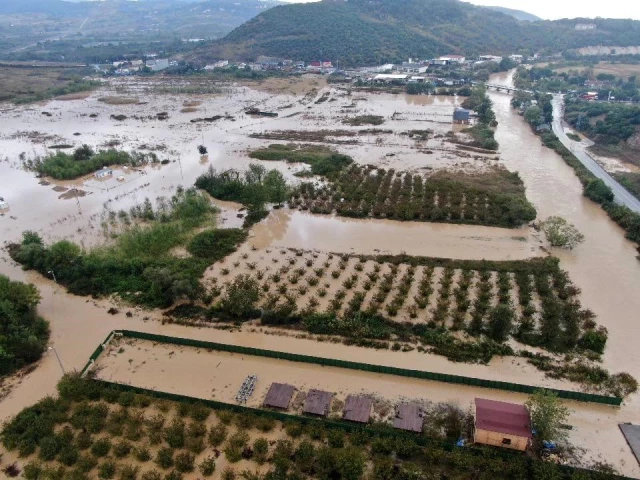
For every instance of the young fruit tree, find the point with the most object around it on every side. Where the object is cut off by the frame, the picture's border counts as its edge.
(561, 233)
(548, 415)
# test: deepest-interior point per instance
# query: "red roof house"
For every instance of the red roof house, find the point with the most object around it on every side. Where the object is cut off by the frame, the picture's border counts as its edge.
(502, 424)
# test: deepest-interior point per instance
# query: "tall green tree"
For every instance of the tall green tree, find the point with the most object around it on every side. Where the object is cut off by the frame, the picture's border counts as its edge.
(548, 415)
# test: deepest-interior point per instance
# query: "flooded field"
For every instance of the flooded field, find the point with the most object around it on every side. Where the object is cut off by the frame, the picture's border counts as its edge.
(604, 267)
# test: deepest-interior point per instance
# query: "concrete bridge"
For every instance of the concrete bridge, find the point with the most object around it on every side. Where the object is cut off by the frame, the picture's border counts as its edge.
(501, 88)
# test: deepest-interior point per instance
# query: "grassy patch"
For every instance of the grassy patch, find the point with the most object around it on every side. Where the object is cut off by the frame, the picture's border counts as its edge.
(22, 84)
(110, 100)
(364, 120)
(495, 198)
(212, 245)
(630, 181)
(84, 160)
(139, 266)
(323, 160)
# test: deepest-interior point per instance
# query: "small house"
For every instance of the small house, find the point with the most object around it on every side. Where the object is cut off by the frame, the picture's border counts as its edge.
(104, 173)
(502, 424)
(3, 204)
(461, 115)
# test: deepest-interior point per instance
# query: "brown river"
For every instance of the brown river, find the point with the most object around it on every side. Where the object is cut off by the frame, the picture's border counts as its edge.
(604, 266)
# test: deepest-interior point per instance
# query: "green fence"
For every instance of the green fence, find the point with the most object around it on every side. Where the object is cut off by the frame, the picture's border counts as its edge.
(96, 353)
(403, 372)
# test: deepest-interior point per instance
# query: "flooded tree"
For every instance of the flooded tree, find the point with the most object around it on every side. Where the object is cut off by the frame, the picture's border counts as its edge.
(561, 233)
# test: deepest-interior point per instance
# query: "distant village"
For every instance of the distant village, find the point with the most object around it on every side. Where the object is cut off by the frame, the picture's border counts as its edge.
(411, 71)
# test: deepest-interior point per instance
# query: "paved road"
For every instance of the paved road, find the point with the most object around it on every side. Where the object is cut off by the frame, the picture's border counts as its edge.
(622, 196)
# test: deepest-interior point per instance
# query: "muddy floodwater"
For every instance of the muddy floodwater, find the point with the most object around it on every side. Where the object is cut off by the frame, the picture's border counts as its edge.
(604, 266)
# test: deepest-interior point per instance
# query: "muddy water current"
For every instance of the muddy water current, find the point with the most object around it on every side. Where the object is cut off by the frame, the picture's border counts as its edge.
(604, 267)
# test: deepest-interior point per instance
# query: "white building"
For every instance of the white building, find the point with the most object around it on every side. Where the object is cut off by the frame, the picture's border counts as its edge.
(390, 77)
(453, 58)
(159, 64)
(586, 26)
(3, 204)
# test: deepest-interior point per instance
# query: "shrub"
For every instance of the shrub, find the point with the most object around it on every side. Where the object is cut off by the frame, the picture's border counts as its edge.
(260, 450)
(217, 435)
(241, 297)
(128, 472)
(107, 469)
(142, 454)
(207, 466)
(151, 475)
(184, 462)
(228, 474)
(68, 455)
(164, 458)
(101, 447)
(121, 449)
(49, 448)
(213, 245)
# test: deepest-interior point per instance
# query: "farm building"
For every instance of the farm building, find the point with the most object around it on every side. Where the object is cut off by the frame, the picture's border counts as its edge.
(317, 402)
(104, 173)
(409, 417)
(502, 424)
(279, 396)
(357, 409)
(461, 115)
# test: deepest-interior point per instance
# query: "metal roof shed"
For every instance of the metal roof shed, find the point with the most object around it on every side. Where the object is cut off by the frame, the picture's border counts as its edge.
(317, 402)
(357, 408)
(408, 417)
(279, 396)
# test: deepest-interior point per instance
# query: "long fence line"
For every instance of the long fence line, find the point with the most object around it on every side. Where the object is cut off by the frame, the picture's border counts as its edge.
(402, 372)
(348, 427)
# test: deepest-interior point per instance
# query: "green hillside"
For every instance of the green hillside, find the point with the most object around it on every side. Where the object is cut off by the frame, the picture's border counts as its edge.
(517, 14)
(375, 31)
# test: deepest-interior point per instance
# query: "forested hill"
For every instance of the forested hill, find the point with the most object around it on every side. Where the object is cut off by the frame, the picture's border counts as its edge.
(375, 31)
(517, 14)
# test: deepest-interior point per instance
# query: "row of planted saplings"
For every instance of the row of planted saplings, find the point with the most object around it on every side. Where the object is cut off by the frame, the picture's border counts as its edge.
(403, 197)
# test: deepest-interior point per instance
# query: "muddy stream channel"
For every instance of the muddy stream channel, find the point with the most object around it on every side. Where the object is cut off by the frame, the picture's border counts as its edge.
(604, 266)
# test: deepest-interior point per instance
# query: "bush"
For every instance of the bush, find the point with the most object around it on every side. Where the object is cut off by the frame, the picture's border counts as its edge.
(213, 245)
(241, 297)
(128, 472)
(122, 449)
(594, 340)
(208, 466)
(164, 458)
(217, 435)
(260, 450)
(101, 447)
(184, 462)
(151, 475)
(106, 469)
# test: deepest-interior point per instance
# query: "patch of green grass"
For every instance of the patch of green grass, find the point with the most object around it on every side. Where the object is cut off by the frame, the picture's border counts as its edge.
(323, 160)
(364, 120)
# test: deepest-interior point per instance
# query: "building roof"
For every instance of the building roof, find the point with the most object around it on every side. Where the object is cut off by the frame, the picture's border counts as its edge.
(408, 417)
(317, 402)
(503, 417)
(390, 76)
(452, 56)
(357, 408)
(279, 395)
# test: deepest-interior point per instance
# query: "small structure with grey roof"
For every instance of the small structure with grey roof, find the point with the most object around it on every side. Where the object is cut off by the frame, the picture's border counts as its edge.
(357, 408)
(279, 396)
(632, 436)
(502, 424)
(461, 115)
(409, 416)
(317, 402)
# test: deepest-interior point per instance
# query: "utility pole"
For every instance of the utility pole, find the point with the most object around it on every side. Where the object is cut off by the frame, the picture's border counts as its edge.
(55, 280)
